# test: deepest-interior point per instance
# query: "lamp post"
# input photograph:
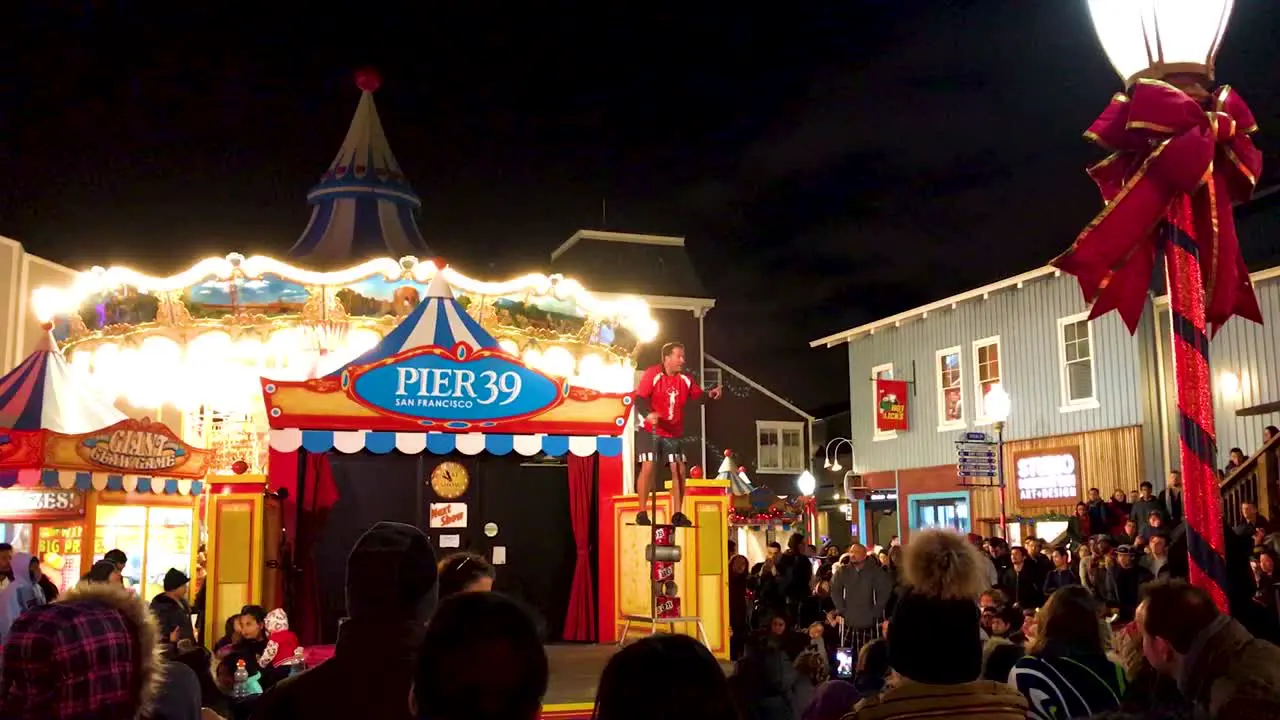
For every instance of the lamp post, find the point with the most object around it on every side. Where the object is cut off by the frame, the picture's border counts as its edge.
(996, 405)
(807, 484)
(1182, 157)
(835, 465)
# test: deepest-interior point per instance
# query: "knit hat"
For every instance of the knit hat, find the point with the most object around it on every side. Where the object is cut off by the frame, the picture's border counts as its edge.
(391, 574)
(93, 655)
(175, 579)
(940, 571)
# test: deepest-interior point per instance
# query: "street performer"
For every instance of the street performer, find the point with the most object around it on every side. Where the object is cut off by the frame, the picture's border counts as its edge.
(660, 398)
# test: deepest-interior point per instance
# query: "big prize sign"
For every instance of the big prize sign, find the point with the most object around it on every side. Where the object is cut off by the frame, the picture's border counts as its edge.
(458, 388)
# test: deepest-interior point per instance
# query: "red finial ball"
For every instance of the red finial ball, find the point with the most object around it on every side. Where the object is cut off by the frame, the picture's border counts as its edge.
(239, 467)
(47, 327)
(728, 453)
(368, 80)
(695, 472)
(742, 469)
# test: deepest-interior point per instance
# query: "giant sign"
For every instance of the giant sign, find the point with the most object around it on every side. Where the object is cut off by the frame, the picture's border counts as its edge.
(1047, 477)
(457, 388)
(130, 447)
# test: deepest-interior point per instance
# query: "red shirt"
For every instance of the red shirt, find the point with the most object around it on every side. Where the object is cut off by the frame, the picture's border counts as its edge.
(667, 395)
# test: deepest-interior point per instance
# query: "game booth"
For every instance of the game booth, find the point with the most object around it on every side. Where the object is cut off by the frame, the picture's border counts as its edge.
(78, 478)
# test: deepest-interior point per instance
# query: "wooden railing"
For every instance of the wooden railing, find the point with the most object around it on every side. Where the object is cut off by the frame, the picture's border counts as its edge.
(1256, 481)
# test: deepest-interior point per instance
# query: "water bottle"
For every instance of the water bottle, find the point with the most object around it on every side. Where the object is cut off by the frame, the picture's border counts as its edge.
(240, 690)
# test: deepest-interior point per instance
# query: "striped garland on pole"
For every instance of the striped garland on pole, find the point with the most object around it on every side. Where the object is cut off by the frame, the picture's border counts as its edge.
(1202, 500)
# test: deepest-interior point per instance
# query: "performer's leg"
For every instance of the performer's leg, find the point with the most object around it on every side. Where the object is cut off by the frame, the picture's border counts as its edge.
(644, 486)
(677, 495)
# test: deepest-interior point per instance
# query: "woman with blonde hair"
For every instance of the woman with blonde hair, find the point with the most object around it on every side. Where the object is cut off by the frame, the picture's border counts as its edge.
(1066, 673)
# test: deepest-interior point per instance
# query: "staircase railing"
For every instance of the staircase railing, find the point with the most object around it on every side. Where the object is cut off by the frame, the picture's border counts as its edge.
(1256, 481)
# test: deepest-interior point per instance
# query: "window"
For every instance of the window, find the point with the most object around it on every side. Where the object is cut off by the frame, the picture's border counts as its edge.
(879, 372)
(952, 514)
(710, 378)
(1075, 353)
(986, 372)
(780, 447)
(950, 395)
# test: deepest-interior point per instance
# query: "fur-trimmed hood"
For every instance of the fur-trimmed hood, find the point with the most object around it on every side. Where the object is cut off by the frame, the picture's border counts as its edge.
(49, 646)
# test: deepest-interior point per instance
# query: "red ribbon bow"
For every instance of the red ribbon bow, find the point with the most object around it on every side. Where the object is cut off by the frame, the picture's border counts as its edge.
(1168, 148)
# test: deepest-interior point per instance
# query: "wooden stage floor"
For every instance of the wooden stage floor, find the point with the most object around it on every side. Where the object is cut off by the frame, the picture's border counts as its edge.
(575, 674)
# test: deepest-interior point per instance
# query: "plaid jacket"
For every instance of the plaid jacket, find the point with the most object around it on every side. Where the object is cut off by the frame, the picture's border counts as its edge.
(90, 655)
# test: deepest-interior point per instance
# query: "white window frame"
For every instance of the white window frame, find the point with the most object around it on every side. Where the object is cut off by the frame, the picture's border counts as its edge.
(1089, 403)
(876, 433)
(945, 425)
(779, 426)
(980, 410)
(711, 376)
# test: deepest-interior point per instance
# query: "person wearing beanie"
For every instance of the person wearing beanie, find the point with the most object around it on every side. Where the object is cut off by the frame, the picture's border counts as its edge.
(935, 640)
(50, 650)
(391, 594)
(171, 610)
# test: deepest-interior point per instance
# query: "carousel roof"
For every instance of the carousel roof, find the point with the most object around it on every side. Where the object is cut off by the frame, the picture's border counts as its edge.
(41, 394)
(362, 206)
(438, 320)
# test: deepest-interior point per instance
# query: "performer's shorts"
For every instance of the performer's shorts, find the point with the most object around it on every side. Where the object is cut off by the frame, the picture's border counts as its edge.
(655, 448)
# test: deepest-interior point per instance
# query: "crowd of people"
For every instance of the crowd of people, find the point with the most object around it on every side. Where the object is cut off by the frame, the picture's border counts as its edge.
(941, 625)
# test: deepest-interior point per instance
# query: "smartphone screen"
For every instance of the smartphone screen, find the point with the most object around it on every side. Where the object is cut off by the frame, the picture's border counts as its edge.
(844, 662)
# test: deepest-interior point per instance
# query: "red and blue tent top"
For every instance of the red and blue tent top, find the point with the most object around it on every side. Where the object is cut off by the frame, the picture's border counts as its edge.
(439, 383)
(45, 411)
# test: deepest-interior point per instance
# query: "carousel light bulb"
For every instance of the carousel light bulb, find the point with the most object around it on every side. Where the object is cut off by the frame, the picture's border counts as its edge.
(531, 357)
(558, 361)
(1156, 38)
(509, 346)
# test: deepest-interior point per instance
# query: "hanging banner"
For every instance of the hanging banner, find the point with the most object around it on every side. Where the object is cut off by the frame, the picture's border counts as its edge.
(891, 405)
(130, 447)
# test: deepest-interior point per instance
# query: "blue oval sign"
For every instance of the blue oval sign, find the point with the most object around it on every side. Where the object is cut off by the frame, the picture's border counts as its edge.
(443, 387)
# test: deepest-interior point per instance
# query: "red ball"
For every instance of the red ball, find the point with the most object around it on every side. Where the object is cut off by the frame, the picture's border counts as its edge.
(695, 472)
(239, 467)
(368, 80)
(728, 453)
(742, 469)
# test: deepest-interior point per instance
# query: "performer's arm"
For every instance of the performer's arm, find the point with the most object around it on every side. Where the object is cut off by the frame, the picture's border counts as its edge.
(643, 391)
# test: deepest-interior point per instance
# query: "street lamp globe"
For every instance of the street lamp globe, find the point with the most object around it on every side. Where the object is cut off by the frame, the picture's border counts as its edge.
(1159, 38)
(996, 404)
(806, 483)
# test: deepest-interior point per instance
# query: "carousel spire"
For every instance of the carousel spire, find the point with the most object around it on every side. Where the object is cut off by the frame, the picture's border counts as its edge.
(362, 207)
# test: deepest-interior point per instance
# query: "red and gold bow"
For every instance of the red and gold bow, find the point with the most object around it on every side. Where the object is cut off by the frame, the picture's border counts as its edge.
(1167, 147)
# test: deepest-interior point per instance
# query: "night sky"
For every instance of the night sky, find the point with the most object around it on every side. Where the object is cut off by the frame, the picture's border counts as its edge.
(830, 162)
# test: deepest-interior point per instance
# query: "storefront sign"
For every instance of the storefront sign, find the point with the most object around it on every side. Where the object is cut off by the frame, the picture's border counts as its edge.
(447, 516)
(891, 405)
(60, 542)
(883, 497)
(463, 385)
(1047, 477)
(134, 447)
(39, 503)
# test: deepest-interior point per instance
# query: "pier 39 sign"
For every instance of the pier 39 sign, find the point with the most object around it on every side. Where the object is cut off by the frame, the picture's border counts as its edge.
(458, 388)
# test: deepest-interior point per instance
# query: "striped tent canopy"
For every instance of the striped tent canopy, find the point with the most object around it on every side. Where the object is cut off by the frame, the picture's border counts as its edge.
(42, 396)
(362, 207)
(439, 320)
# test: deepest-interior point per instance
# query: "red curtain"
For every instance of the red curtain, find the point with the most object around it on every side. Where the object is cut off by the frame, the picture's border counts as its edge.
(580, 622)
(319, 493)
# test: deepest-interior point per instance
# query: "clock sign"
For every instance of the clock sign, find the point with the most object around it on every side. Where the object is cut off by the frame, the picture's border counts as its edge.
(450, 480)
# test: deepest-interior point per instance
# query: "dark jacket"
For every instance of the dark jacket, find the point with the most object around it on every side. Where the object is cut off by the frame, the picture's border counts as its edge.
(861, 595)
(172, 614)
(1060, 578)
(795, 573)
(1142, 510)
(1231, 674)
(765, 680)
(1171, 505)
(369, 676)
(1099, 517)
(1026, 585)
(1122, 592)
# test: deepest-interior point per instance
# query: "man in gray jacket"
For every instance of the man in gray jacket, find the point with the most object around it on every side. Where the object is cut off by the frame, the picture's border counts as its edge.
(860, 591)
